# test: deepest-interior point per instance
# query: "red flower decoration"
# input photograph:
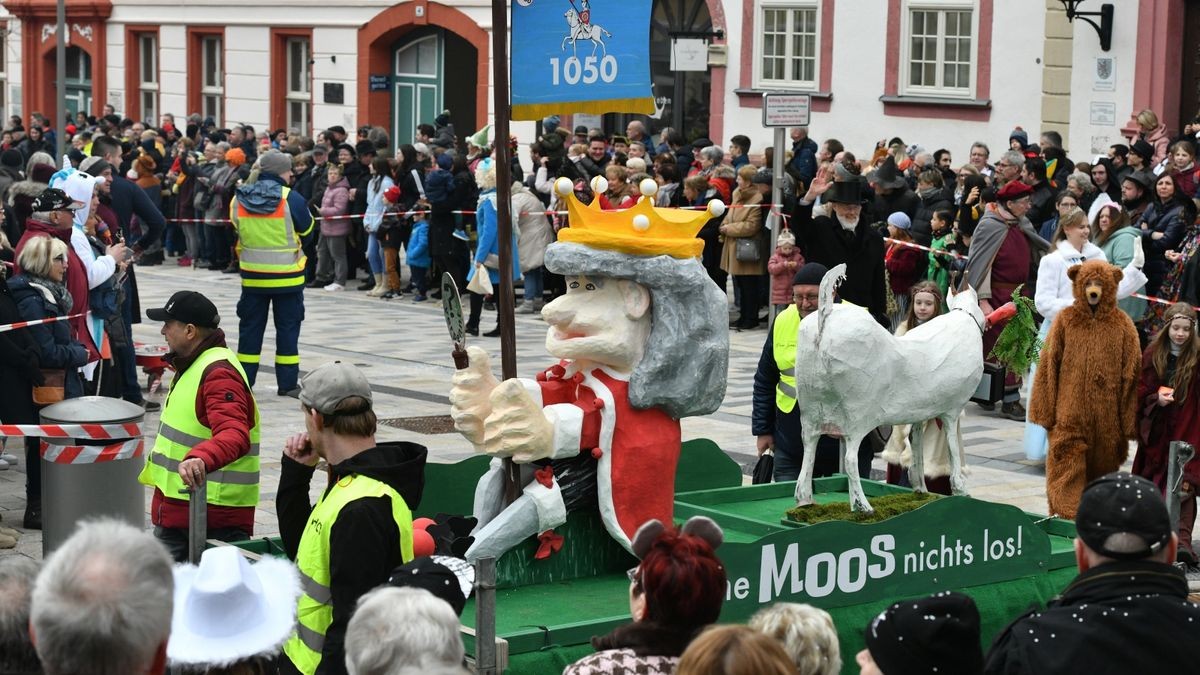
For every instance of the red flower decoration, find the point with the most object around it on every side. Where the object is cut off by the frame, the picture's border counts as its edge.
(549, 543)
(545, 476)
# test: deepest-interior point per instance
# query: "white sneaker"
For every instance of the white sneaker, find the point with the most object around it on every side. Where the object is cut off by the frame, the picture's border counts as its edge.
(335, 286)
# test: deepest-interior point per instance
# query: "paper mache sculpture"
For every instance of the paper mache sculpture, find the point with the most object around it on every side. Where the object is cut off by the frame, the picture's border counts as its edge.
(852, 375)
(642, 342)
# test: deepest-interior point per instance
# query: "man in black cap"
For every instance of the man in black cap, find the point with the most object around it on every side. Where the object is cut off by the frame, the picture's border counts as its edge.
(938, 634)
(1127, 611)
(1135, 194)
(208, 432)
(775, 415)
(842, 235)
(1141, 156)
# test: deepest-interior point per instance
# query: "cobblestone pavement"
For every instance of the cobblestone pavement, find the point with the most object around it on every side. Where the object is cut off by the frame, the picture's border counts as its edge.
(403, 348)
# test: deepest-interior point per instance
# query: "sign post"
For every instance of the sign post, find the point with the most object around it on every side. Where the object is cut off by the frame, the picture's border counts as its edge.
(780, 111)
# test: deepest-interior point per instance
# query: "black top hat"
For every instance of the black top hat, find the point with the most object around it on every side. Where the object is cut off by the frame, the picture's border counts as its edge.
(844, 192)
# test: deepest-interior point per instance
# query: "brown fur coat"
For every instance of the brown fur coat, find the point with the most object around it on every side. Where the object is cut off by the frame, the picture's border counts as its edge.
(1085, 392)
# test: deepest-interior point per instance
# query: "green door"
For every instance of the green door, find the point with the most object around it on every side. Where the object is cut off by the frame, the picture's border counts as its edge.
(417, 84)
(79, 81)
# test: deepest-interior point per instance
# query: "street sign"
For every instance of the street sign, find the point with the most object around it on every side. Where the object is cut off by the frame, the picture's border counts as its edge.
(786, 110)
(378, 82)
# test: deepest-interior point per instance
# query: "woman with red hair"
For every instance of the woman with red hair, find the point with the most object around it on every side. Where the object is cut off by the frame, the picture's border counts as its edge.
(674, 593)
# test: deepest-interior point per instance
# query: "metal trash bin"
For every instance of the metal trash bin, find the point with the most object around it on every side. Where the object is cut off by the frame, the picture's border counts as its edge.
(91, 470)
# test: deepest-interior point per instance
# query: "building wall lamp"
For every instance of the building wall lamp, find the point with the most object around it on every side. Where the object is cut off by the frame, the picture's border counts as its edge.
(1104, 28)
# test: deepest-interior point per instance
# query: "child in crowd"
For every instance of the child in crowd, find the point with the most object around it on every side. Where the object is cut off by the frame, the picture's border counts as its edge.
(942, 226)
(1169, 410)
(925, 302)
(439, 189)
(417, 256)
(905, 264)
(783, 265)
(332, 265)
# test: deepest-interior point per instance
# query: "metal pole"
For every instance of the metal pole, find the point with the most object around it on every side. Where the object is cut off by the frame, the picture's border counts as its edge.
(485, 617)
(1179, 455)
(504, 304)
(197, 521)
(60, 74)
(775, 219)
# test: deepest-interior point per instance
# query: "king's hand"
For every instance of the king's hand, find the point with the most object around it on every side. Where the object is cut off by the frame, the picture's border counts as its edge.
(470, 395)
(517, 427)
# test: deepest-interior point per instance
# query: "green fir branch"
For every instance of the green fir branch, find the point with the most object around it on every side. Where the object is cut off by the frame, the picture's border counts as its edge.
(1018, 346)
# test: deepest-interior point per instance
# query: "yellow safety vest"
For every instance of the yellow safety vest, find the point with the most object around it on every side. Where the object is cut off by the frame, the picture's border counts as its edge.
(236, 483)
(268, 248)
(783, 341)
(314, 609)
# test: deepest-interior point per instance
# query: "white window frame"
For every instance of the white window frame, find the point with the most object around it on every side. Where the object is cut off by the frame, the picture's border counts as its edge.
(148, 87)
(905, 65)
(761, 82)
(304, 95)
(216, 92)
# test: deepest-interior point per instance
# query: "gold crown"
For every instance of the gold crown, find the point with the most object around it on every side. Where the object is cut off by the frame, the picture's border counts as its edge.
(641, 230)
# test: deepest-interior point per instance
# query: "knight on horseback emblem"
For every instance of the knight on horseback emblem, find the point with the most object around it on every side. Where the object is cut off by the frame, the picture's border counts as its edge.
(580, 27)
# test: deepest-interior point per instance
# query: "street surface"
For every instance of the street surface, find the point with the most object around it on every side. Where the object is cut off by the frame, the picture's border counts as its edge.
(404, 350)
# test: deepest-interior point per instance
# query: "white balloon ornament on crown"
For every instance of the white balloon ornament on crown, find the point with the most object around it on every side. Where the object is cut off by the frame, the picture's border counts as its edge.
(641, 222)
(716, 208)
(648, 187)
(599, 184)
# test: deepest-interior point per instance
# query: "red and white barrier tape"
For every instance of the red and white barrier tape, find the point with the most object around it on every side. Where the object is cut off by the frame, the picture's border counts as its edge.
(4, 328)
(93, 432)
(910, 244)
(91, 454)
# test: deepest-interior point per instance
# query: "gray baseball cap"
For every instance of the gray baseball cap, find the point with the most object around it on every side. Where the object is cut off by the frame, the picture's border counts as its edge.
(325, 387)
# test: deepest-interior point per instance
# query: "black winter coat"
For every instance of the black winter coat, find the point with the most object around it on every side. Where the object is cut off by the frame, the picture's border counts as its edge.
(922, 223)
(364, 544)
(904, 200)
(56, 347)
(19, 361)
(824, 240)
(1172, 220)
(1122, 617)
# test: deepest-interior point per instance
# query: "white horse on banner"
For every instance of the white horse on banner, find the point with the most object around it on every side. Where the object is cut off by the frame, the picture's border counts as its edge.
(581, 31)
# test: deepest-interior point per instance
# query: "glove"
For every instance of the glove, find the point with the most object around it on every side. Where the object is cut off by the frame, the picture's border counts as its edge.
(1139, 256)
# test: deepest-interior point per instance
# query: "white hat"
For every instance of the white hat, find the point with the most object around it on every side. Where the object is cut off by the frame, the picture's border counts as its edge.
(227, 610)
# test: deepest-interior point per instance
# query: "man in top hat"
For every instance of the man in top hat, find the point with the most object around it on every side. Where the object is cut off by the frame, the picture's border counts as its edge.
(208, 432)
(1127, 611)
(842, 235)
(272, 222)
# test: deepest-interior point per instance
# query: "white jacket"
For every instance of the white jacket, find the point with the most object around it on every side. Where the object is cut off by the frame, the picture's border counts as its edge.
(1054, 290)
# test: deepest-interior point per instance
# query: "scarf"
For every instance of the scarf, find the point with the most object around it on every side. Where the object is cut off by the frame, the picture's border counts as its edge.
(56, 290)
(928, 192)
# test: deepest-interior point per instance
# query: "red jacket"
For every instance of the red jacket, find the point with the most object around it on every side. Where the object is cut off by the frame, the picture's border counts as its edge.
(77, 281)
(226, 407)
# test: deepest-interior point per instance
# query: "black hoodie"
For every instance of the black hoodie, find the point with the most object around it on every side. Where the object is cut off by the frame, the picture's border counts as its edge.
(364, 544)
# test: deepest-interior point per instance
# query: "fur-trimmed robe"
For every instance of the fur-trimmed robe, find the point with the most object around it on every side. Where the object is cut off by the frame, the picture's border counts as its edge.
(1085, 392)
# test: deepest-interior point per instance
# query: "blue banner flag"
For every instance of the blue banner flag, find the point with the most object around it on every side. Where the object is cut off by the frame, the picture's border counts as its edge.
(580, 56)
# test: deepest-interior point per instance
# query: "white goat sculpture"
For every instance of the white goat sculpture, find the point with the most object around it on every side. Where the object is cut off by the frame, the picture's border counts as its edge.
(852, 375)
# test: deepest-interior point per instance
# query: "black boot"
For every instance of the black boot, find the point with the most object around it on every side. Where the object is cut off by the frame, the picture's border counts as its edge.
(33, 515)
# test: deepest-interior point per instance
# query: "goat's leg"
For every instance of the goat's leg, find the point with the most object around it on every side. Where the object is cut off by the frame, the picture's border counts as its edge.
(958, 481)
(804, 488)
(858, 499)
(916, 468)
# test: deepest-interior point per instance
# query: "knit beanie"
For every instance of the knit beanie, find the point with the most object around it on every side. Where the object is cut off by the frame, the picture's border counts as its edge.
(938, 634)
(810, 274)
(1020, 135)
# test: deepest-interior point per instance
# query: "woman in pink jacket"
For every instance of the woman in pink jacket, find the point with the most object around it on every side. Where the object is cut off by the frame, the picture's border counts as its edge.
(335, 227)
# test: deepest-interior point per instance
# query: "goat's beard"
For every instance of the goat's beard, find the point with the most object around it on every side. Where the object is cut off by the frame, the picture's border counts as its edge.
(848, 225)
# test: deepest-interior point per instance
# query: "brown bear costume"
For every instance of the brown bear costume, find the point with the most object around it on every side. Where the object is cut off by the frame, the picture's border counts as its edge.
(1085, 392)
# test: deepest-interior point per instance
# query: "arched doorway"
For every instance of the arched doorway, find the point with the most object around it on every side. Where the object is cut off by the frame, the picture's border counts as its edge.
(464, 66)
(420, 87)
(682, 99)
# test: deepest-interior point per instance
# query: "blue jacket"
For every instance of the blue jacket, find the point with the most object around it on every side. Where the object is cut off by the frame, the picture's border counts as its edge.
(489, 239)
(803, 166)
(439, 188)
(57, 349)
(418, 245)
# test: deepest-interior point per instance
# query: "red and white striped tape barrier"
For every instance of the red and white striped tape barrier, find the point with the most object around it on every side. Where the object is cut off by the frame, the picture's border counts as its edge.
(4, 328)
(91, 454)
(128, 435)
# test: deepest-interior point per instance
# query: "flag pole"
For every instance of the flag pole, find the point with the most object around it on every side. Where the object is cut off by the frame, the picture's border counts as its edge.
(502, 154)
